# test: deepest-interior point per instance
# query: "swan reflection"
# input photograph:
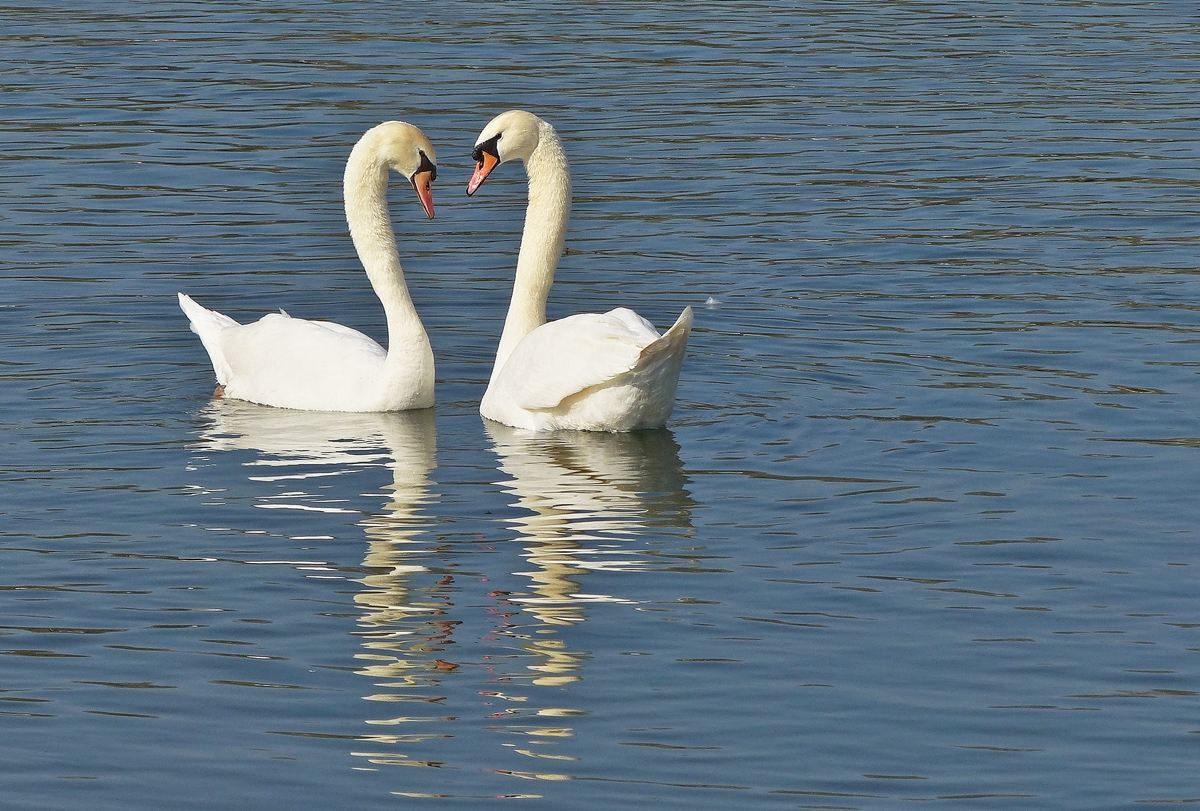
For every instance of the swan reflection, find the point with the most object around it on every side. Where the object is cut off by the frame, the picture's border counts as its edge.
(402, 626)
(587, 497)
(587, 505)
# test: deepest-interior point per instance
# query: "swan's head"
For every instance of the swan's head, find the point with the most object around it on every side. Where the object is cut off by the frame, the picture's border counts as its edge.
(509, 136)
(405, 148)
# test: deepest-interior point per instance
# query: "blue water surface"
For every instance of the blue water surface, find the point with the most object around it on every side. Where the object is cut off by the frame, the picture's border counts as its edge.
(921, 529)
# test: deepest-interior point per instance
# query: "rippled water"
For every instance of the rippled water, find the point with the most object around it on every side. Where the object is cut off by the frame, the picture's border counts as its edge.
(922, 528)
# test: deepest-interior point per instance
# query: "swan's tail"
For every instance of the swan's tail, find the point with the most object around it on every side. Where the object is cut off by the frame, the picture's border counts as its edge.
(208, 325)
(672, 342)
(659, 365)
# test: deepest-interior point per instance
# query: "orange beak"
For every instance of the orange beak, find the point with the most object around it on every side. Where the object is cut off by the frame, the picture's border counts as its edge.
(423, 182)
(487, 162)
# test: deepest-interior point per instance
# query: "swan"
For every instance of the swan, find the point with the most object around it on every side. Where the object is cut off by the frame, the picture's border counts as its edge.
(321, 366)
(592, 371)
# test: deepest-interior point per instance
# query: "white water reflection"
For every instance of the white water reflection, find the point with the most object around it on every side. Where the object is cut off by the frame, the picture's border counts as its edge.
(590, 498)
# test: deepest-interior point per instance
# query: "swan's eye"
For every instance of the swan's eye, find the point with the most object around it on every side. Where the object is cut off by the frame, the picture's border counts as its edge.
(489, 147)
(427, 165)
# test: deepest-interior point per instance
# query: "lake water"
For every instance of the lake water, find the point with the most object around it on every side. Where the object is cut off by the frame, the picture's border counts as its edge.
(923, 527)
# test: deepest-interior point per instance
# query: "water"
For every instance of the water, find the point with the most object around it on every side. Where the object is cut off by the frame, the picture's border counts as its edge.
(922, 528)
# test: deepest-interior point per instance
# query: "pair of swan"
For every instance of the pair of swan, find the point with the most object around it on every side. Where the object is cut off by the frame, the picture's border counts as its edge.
(596, 372)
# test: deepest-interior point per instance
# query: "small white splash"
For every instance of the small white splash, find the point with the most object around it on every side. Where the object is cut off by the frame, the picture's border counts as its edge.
(712, 303)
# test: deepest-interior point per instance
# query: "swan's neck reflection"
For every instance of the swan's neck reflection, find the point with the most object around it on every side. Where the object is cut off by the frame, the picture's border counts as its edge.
(586, 495)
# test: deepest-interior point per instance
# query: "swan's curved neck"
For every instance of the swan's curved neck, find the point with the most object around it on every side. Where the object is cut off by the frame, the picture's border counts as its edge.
(365, 187)
(541, 241)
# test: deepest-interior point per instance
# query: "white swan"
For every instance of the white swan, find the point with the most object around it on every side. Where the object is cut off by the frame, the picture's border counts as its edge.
(322, 366)
(592, 372)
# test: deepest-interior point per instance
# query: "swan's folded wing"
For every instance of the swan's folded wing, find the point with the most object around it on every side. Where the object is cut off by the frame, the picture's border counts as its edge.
(564, 357)
(279, 353)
